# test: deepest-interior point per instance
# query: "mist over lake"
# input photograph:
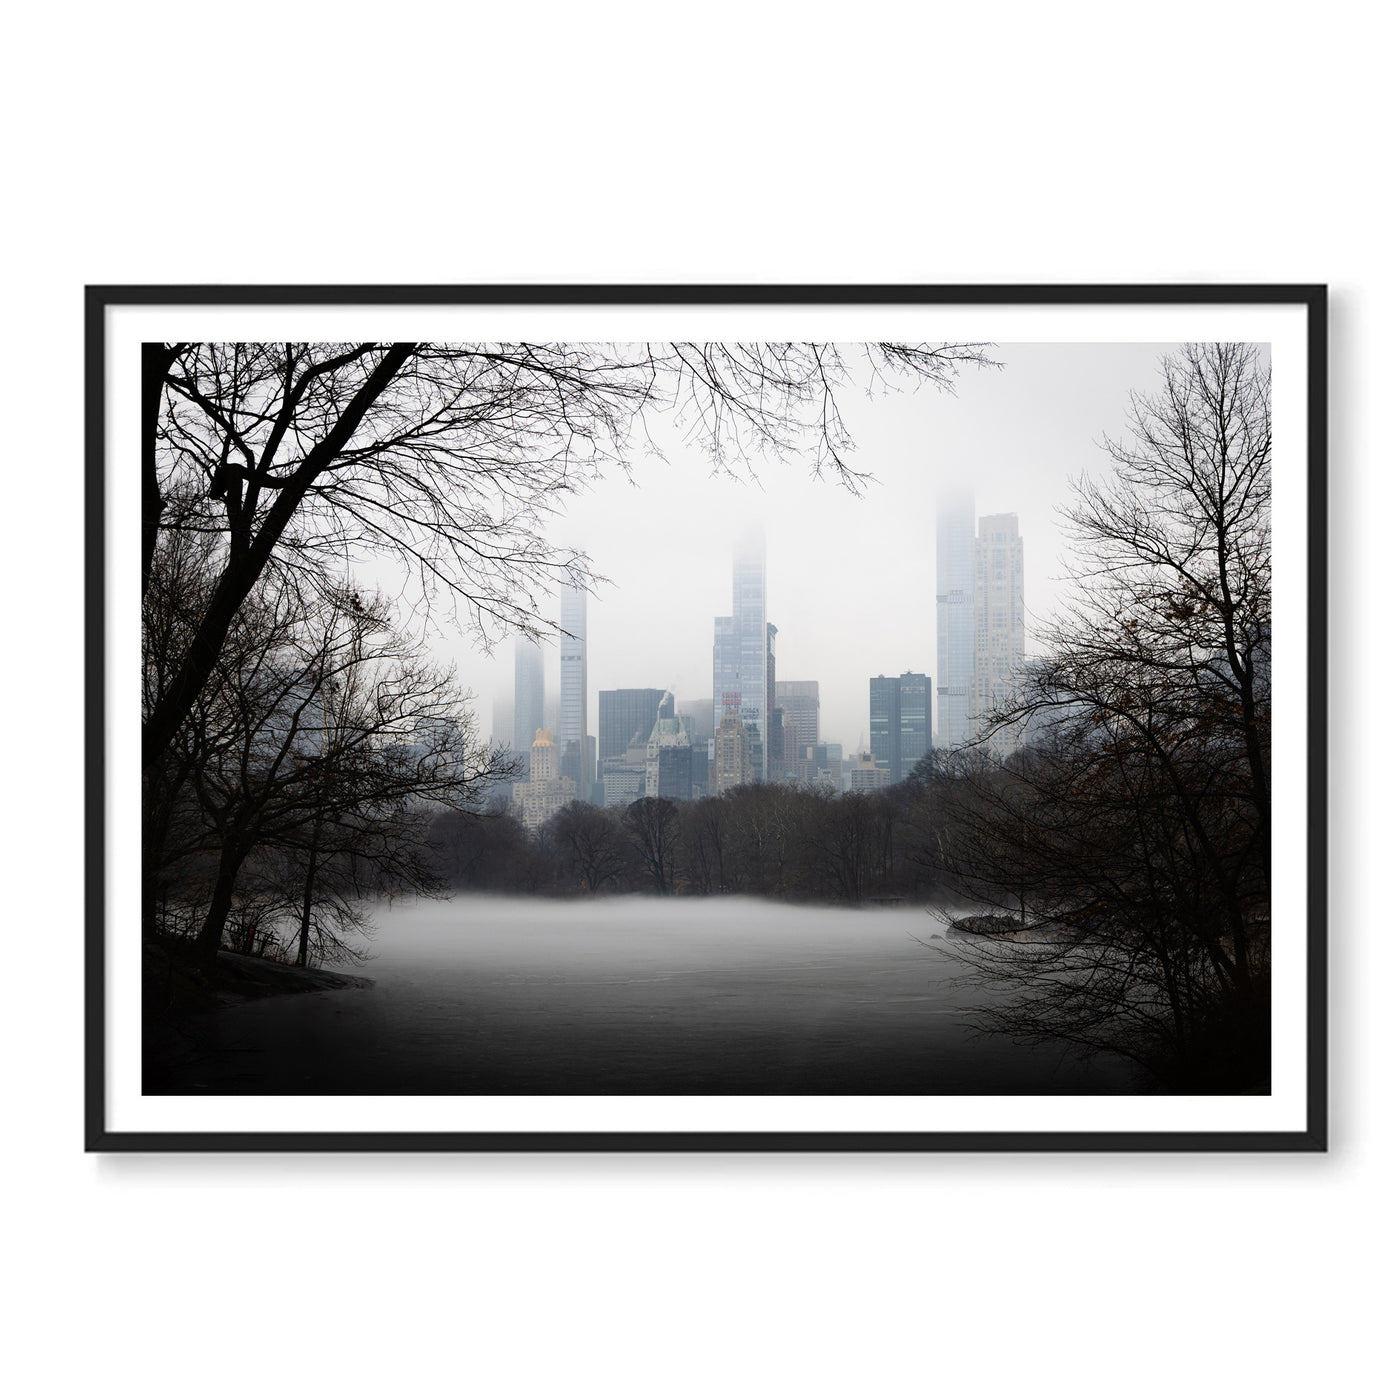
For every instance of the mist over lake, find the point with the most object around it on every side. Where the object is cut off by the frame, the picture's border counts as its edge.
(500, 995)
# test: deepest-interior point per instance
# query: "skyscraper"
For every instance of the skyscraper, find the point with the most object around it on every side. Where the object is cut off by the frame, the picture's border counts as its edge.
(544, 792)
(884, 719)
(733, 765)
(792, 750)
(622, 714)
(503, 722)
(573, 683)
(727, 694)
(800, 702)
(773, 716)
(916, 705)
(954, 583)
(901, 722)
(701, 714)
(999, 628)
(529, 693)
(742, 648)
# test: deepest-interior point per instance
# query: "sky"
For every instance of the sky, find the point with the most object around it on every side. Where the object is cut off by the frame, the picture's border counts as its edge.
(851, 581)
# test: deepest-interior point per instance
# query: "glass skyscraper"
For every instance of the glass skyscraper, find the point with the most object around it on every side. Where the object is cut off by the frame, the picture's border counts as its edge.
(800, 701)
(529, 693)
(623, 714)
(742, 647)
(901, 721)
(727, 692)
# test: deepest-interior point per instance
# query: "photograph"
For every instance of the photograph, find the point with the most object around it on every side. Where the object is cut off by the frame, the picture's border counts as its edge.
(724, 693)
(774, 718)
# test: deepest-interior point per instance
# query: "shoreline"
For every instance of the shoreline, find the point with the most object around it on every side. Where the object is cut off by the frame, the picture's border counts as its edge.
(175, 988)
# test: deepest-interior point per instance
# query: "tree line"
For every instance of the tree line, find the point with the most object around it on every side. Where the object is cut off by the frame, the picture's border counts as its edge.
(782, 841)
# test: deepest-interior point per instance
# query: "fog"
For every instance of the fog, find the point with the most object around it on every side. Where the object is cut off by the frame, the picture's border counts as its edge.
(851, 579)
(487, 995)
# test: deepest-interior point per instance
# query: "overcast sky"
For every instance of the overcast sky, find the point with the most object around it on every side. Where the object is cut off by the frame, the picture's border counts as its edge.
(850, 581)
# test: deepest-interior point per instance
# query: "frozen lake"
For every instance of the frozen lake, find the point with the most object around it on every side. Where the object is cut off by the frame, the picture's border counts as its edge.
(482, 995)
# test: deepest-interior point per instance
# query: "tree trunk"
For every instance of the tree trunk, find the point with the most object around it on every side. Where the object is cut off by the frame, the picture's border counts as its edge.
(308, 890)
(211, 933)
(156, 360)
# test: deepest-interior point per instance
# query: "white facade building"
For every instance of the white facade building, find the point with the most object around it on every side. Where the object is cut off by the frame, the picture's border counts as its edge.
(544, 792)
(999, 629)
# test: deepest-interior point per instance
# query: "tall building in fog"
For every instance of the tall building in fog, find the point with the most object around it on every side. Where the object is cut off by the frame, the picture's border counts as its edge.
(733, 764)
(742, 648)
(999, 628)
(701, 714)
(623, 714)
(774, 771)
(503, 722)
(529, 693)
(901, 722)
(793, 749)
(801, 705)
(726, 673)
(573, 685)
(954, 584)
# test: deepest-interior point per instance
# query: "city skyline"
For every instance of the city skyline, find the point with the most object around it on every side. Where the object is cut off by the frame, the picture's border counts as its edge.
(979, 643)
(850, 581)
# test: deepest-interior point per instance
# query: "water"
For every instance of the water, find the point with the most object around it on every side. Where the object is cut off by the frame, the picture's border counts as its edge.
(481, 995)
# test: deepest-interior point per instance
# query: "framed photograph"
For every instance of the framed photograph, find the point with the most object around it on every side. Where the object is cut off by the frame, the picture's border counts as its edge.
(844, 727)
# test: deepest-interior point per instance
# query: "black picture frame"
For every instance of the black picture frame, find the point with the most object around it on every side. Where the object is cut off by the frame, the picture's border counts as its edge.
(1309, 1136)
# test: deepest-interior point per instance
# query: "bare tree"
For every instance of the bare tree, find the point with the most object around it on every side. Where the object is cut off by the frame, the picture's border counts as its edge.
(590, 845)
(846, 842)
(314, 748)
(703, 841)
(1135, 837)
(478, 850)
(926, 813)
(763, 826)
(652, 824)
